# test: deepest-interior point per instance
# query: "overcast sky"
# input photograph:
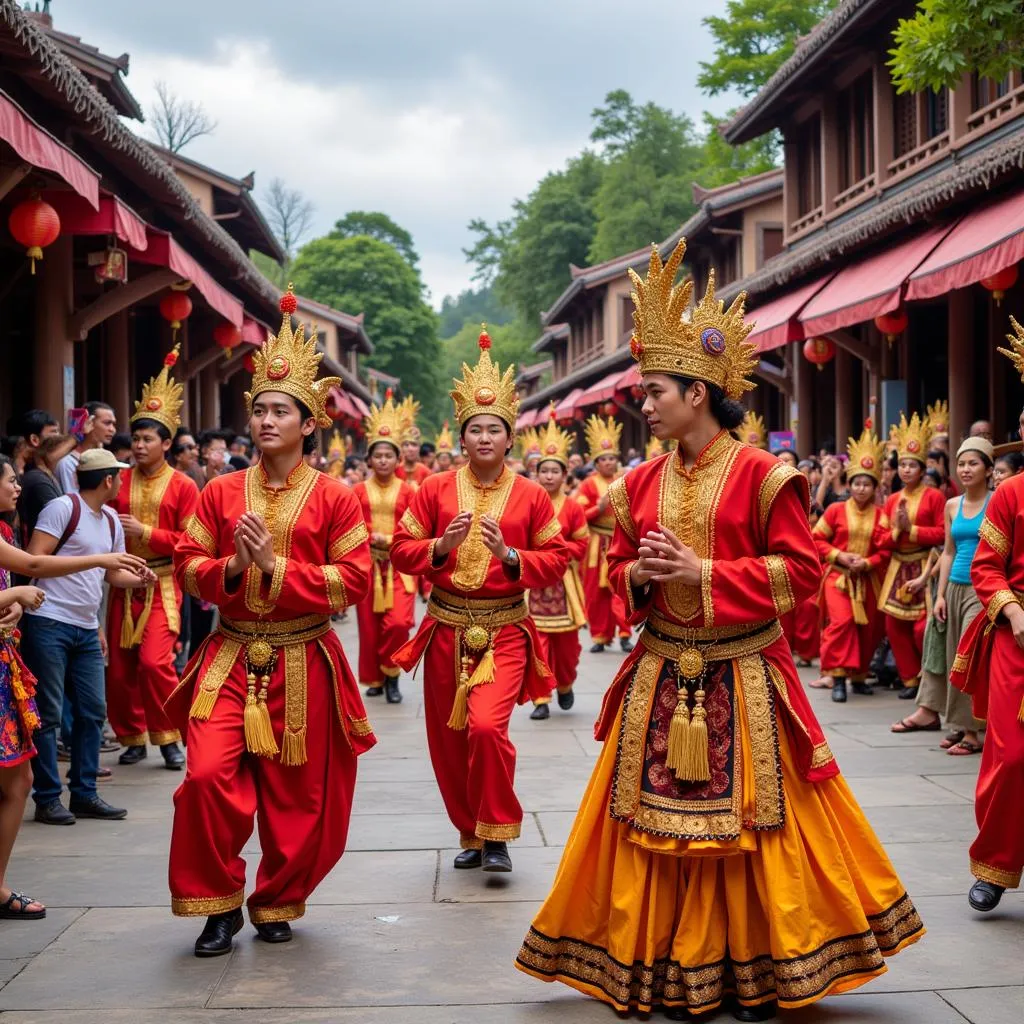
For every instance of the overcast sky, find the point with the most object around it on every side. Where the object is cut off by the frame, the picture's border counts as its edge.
(434, 112)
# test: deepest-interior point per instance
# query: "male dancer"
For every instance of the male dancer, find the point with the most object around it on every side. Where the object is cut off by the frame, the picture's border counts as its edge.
(274, 717)
(410, 468)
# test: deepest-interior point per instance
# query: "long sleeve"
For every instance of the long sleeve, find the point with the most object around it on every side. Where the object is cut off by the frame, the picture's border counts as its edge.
(413, 544)
(622, 553)
(990, 568)
(932, 532)
(185, 499)
(196, 566)
(824, 534)
(576, 533)
(545, 561)
(588, 499)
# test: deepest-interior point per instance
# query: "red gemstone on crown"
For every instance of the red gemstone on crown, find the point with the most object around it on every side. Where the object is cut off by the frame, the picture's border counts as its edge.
(384, 430)
(288, 303)
(606, 443)
(153, 404)
(485, 396)
(913, 446)
(277, 368)
(867, 462)
(552, 449)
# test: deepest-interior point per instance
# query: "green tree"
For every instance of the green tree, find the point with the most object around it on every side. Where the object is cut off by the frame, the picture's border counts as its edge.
(753, 39)
(510, 343)
(364, 274)
(721, 163)
(377, 225)
(948, 38)
(471, 306)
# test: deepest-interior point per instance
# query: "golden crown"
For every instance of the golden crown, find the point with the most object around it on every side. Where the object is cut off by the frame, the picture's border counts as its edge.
(484, 390)
(162, 396)
(710, 344)
(752, 431)
(938, 418)
(444, 443)
(654, 449)
(289, 362)
(336, 449)
(867, 454)
(912, 439)
(409, 410)
(529, 442)
(1015, 353)
(386, 423)
(553, 442)
(602, 437)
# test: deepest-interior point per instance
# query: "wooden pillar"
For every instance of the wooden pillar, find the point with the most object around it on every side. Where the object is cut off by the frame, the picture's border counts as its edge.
(960, 365)
(804, 421)
(54, 355)
(116, 384)
(845, 369)
(209, 399)
(997, 374)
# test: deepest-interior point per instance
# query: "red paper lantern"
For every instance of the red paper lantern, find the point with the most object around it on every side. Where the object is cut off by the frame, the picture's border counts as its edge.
(227, 336)
(249, 362)
(637, 392)
(892, 324)
(579, 415)
(35, 225)
(609, 409)
(175, 307)
(819, 351)
(999, 284)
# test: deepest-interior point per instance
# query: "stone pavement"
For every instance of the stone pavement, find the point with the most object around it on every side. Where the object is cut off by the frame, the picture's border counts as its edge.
(396, 934)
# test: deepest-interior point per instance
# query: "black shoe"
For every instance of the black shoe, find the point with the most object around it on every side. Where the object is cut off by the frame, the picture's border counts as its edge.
(540, 712)
(133, 755)
(373, 691)
(677, 1013)
(839, 691)
(54, 813)
(626, 644)
(469, 859)
(985, 896)
(908, 693)
(864, 689)
(566, 700)
(597, 648)
(174, 757)
(97, 807)
(766, 1011)
(215, 938)
(392, 694)
(274, 931)
(495, 857)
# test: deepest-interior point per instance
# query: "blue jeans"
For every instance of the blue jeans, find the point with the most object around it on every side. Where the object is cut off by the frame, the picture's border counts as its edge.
(55, 652)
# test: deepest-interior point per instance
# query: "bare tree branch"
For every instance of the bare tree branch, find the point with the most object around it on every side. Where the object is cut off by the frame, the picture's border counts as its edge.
(290, 215)
(176, 121)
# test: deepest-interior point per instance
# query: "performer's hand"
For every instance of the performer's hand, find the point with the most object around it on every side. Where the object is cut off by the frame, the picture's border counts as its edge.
(1015, 616)
(379, 540)
(939, 609)
(671, 559)
(641, 573)
(902, 516)
(131, 526)
(846, 560)
(602, 503)
(490, 534)
(242, 558)
(259, 541)
(129, 563)
(916, 585)
(457, 532)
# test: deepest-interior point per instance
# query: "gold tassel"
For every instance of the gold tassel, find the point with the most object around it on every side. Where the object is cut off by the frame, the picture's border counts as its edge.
(459, 717)
(259, 733)
(1020, 712)
(484, 672)
(678, 733)
(602, 579)
(378, 590)
(293, 746)
(697, 767)
(127, 626)
(202, 705)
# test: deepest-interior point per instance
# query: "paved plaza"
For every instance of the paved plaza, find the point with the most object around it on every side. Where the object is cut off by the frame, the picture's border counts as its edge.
(396, 934)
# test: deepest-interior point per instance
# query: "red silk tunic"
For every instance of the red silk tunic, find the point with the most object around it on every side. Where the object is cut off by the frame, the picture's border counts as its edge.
(926, 507)
(845, 528)
(419, 474)
(559, 608)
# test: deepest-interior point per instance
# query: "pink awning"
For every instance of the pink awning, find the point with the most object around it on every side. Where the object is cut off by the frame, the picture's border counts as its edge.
(984, 242)
(628, 379)
(36, 146)
(776, 322)
(869, 287)
(567, 406)
(253, 331)
(361, 407)
(111, 217)
(525, 420)
(602, 391)
(164, 251)
(343, 404)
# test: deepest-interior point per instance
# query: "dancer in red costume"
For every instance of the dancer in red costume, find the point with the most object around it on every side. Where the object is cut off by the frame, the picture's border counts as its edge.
(483, 536)
(272, 711)
(410, 469)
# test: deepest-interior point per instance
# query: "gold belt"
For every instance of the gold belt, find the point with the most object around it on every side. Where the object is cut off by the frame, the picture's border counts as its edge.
(604, 531)
(458, 610)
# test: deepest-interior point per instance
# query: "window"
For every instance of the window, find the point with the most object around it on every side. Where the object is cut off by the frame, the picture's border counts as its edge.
(936, 114)
(904, 122)
(770, 244)
(855, 128)
(808, 170)
(987, 90)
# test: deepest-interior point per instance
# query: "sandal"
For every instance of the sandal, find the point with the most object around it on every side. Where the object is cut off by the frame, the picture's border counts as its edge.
(964, 748)
(951, 739)
(906, 725)
(7, 911)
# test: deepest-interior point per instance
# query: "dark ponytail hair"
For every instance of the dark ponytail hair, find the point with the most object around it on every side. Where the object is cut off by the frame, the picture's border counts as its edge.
(727, 411)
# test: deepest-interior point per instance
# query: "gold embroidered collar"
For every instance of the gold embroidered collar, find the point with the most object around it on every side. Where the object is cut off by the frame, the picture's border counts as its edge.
(296, 476)
(721, 443)
(479, 485)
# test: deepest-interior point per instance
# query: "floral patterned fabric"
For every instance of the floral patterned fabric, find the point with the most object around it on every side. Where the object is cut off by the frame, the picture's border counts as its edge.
(18, 715)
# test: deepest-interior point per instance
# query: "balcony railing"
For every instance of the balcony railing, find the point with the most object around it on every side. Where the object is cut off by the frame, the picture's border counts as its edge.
(808, 220)
(855, 191)
(997, 109)
(919, 155)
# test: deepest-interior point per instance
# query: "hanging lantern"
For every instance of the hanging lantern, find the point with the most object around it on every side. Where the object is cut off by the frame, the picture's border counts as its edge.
(249, 362)
(999, 284)
(227, 336)
(175, 307)
(892, 324)
(819, 351)
(579, 415)
(609, 409)
(35, 225)
(637, 392)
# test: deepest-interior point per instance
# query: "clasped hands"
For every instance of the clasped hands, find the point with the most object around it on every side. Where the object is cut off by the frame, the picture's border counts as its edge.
(854, 563)
(458, 531)
(254, 545)
(664, 558)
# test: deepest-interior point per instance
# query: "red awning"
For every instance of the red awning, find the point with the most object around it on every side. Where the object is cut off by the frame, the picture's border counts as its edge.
(984, 242)
(602, 391)
(343, 404)
(628, 379)
(253, 331)
(776, 322)
(567, 406)
(164, 251)
(525, 420)
(38, 147)
(111, 217)
(870, 287)
(361, 407)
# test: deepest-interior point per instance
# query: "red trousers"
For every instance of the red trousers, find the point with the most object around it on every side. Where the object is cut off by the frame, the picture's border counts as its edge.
(561, 652)
(997, 855)
(606, 612)
(302, 810)
(140, 679)
(802, 629)
(907, 642)
(382, 633)
(846, 648)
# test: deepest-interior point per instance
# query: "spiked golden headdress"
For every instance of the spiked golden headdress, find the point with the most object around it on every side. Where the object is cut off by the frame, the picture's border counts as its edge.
(867, 454)
(553, 442)
(484, 390)
(938, 418)
(409, 410)
(444, 443)
(709, 344)
(336, 449)
(752, 431)
(602, 437)
(386, 423)
(912, 439)
(288, 363)
(654, 449)
(1015, 353)
(162, 396)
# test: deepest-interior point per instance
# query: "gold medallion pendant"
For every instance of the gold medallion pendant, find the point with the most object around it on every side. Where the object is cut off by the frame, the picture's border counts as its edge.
(476, 638)
(691, 663)
(258, 653)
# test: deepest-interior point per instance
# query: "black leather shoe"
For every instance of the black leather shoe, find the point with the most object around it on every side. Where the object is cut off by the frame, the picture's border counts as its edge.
(274, 931)
(678, 1013)
(215, 938)
(495, 857)
(626, 644)
(54, 813)
(133, 755)
(839, 691)
(985, 896)
(540, 712)
(766, 1011)
(566, 700)
(392, 694)
(174, 756)
(597, 648)
(469, 859)
(373, 691)
(908, 693)
(864, 689)
(97, 807)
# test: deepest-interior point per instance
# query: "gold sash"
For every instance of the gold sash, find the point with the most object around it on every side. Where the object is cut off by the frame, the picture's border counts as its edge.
(131, 630)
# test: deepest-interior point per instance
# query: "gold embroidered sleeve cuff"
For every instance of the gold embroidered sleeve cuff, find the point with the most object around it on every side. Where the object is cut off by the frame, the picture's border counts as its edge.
(706, 591)
(1000, 599)
(436, 561)
(553, 529)
(413, 526)
(191, 568)
(335, 587)
(778, 580)
(147, 533)
(913, 535)
(833, 555)
(995, 538)
(822, 529)
(635, 595)
(201, 535)
(349, 541)
(618, 498)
